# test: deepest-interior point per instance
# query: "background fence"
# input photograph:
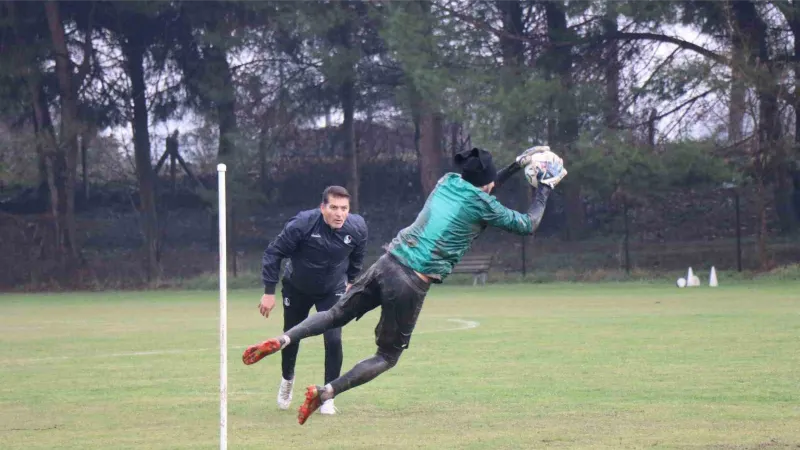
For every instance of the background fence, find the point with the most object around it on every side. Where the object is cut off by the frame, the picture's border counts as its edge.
(665, 231)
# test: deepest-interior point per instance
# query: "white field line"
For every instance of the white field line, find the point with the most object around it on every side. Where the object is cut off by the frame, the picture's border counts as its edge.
(462, 325)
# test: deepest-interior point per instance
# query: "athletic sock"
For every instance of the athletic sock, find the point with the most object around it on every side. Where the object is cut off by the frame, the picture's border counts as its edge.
(326, 393)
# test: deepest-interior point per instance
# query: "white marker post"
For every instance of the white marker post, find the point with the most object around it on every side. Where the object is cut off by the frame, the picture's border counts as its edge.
(223, 311)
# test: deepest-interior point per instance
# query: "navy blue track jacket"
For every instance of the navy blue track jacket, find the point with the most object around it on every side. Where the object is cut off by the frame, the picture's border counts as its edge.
(321, 259)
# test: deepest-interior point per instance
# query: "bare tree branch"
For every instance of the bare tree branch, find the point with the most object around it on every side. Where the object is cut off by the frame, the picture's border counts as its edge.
(686, 103)
(621, 36)
(668, 39)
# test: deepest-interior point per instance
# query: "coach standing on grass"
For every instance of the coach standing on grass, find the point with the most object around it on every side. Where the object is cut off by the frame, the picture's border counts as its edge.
(325, 252)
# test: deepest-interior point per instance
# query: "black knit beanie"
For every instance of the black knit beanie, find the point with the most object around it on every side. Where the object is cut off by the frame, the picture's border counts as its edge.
(476, 166)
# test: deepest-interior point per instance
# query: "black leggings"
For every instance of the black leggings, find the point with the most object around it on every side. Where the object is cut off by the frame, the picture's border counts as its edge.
(296, 307)
(399, 293)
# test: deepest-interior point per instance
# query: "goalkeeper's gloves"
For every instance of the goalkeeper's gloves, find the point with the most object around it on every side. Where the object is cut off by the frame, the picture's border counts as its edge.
(525, 157)
(542, 166)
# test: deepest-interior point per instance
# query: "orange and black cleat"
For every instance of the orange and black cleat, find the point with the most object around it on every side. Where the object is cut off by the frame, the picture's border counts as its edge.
(254, 353)
(312, 403)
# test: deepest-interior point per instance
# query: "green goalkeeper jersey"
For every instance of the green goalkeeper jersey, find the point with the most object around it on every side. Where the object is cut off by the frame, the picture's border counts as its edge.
(455, 213)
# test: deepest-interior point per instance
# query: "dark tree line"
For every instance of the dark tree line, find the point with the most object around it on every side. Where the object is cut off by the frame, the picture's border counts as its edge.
(612, 86)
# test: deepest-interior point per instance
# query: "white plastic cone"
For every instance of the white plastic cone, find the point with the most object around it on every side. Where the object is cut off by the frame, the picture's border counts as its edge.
(712, 279)
(690, 278)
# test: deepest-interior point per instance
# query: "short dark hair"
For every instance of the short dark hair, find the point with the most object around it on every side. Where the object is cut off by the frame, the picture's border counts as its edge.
(334, 191)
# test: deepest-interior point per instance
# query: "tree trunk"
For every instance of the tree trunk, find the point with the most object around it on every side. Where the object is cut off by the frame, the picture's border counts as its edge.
(343, 38)
(772, 152)
(134, 53)
(263, 145)
(795, 171)
(565, 132)
(224, 99)
(512, 45)
(513, 49)
(347, 93)
(455, 138)
(427, 119)
(761, 226)
(652, 119)
(769, 110)
(795, 24)
(41, 159)
(750, 34)
(781, 165)
(53, 160)
(69, 122)
(84, 165)
(50, 155)
(785, 206)
(612, 69)
(737, 106)
(430, 149)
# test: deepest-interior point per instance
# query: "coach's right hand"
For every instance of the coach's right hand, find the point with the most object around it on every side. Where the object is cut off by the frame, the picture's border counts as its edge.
(266, 305)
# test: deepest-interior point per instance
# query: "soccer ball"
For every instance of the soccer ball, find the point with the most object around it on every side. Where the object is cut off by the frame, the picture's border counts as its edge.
(681, 282)
(545, 167)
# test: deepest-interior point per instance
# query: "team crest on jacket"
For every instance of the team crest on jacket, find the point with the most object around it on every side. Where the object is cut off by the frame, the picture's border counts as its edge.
(348, 239)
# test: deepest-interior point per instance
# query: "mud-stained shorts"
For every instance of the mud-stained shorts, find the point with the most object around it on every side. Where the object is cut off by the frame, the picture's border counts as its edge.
(400, 294)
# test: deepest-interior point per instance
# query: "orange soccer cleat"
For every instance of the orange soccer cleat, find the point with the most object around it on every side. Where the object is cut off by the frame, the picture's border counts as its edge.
(254, 353)
(312, 403)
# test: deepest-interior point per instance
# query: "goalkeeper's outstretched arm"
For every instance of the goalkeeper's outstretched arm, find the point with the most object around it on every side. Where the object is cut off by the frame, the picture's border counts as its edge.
(504, 174)
(515, 222)
(543, 170)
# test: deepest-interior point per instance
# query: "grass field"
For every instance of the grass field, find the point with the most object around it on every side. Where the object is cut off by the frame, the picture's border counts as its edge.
(497, 367)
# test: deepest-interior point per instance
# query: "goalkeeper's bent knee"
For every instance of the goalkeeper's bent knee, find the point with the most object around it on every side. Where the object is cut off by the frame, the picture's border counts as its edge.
(391, 356)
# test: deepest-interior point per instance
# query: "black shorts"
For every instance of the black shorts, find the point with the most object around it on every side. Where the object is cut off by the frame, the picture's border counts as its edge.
(398, 291)
(300, 303)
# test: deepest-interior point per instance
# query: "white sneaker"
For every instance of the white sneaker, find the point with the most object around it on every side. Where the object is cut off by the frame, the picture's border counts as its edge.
(327, 408)
(285, 393)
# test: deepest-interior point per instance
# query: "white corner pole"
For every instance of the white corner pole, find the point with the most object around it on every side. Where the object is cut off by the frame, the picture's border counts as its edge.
(223, 311)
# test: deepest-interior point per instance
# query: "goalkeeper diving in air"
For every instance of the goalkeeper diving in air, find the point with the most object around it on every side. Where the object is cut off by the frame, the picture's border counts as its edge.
(458, 210)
